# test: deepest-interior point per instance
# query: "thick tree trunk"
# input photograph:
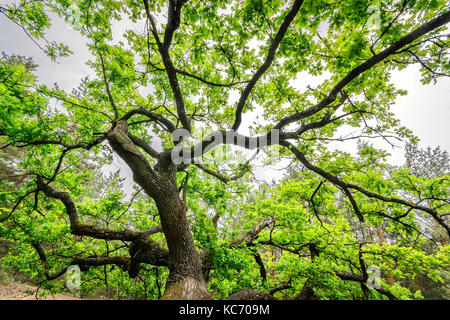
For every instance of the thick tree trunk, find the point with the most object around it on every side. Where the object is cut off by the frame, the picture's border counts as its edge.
(185, 267)
(186, 277)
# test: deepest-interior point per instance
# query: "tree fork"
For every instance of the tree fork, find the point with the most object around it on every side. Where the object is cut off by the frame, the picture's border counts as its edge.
(185, 267)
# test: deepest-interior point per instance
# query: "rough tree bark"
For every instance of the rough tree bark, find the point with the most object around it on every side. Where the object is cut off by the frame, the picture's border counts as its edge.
(185, 267)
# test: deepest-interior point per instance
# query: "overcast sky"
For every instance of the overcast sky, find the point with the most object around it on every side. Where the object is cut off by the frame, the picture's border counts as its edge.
(425, 110)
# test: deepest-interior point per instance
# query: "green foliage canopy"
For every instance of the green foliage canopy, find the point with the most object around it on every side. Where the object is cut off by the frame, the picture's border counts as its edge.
(205, 66)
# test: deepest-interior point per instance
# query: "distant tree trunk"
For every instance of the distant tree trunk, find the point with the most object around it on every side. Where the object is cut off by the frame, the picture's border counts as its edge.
(370, 234)
(20, 180)
(382, 240)
(363, 233)
(418, 284)
(443, 239)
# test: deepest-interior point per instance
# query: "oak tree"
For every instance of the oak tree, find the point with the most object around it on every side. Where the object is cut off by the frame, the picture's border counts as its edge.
(180, 67)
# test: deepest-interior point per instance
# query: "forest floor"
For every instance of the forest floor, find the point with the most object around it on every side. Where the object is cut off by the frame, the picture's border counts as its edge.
(22, 291)
(14, 285)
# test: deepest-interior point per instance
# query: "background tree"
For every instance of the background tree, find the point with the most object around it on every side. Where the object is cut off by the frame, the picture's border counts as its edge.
(190, 65)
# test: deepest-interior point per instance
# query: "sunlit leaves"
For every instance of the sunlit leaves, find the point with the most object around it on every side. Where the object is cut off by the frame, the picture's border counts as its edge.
(215, 51)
